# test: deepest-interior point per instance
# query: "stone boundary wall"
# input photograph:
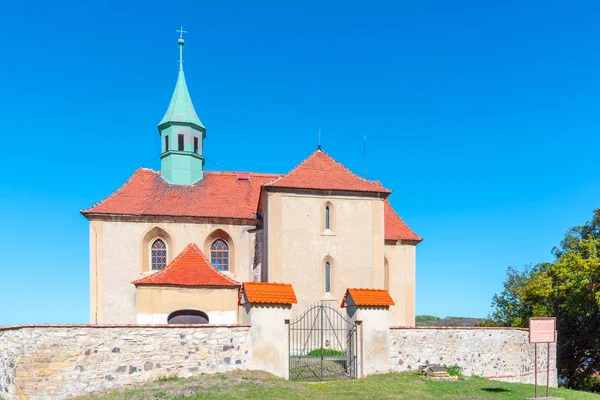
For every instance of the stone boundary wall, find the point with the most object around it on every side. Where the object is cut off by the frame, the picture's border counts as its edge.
(61, 361)
(496, 353)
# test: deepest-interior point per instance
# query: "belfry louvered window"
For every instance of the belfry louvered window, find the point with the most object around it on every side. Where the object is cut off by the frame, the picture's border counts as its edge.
(219, 255)
(159, 255)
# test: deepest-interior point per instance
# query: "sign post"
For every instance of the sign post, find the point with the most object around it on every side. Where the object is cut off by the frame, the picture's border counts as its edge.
(542, 330)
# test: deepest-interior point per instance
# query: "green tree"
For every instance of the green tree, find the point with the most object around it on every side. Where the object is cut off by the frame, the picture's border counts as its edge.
(568, 288)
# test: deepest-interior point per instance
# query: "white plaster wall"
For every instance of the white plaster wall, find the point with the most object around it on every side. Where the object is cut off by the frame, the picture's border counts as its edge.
(120, 262)
(374, 337)
(402, 282)
(214, 317)
(269, 335)
(297, 245)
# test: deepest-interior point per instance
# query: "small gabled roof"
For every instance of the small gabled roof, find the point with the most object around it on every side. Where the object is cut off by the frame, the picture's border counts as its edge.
(321, 172)
(395, 227)
(368, 297)
(267, 293)
(189, 268)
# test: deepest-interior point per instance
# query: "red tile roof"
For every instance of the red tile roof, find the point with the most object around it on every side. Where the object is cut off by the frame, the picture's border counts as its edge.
(268, 293)
(395, 228)
(369, 297)
(236, 195)
(218, 194)
(189, 268)
(321, 172)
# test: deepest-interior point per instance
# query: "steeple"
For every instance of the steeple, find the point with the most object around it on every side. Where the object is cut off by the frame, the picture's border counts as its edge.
(181, 134)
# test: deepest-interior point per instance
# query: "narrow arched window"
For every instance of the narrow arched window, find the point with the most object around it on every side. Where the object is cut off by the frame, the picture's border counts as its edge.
(327, 217)
(219, 255)
(327, 277)
(159, 255)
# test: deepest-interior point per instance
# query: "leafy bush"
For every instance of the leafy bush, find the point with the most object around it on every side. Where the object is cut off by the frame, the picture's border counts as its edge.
(453, 370)
(326, 353)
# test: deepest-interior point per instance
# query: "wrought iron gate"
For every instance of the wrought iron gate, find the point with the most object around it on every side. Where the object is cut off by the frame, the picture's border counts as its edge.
(322, 345)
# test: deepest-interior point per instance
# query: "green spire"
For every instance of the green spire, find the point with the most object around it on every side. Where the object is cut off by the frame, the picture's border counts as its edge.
(181, 134)
(181, 108)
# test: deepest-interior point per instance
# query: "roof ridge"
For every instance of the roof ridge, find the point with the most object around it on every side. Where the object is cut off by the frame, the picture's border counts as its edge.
(348, 169)
(314, 154)
(296, 167)
(241, 172)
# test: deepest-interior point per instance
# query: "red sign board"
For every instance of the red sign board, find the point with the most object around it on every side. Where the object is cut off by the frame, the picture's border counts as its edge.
(542, 330)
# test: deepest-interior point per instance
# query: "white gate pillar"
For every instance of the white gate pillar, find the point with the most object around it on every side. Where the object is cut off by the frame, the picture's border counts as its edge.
(371, 308)
(266, 307)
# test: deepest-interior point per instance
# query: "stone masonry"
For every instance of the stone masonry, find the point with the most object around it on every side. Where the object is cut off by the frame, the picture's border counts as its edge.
(496, 353)
(61, 361)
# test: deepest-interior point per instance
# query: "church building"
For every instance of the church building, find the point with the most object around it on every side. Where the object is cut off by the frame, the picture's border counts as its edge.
(175, 245)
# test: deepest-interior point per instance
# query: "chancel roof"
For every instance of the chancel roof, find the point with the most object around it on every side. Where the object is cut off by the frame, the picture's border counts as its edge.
(321, 172)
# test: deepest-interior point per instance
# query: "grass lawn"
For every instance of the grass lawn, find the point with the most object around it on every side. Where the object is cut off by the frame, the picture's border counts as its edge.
(260, 385)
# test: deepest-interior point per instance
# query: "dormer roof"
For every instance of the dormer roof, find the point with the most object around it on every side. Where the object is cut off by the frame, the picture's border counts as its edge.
(189, 268)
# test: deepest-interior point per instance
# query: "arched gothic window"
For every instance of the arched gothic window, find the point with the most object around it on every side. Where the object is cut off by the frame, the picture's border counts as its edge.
(327, 217)
(219, 255)
(327, 277)
(159, 255)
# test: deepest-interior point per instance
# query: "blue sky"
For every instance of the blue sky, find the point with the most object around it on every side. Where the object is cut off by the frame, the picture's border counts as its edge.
(483, 117)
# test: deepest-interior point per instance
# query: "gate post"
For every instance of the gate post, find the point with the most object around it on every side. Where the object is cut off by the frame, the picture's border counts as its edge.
(371, 308)
(267, 307)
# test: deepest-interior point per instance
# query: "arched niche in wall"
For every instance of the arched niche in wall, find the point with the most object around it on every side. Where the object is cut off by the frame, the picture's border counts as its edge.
(188, 317)
(149, 238)
(220, 251)
(328, 218)
(327, 275)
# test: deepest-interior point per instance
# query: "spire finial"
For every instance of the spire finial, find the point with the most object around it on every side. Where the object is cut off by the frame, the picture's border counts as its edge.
(181, 43)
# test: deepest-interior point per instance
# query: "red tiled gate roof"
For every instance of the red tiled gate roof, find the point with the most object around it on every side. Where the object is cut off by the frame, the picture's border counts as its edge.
(369, 297)
(268, 293)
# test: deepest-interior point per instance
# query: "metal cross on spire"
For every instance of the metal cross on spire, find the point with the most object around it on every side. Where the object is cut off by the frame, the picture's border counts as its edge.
(181, 43)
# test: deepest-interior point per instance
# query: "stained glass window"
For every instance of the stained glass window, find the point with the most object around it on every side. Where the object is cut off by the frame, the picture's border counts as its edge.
(159, 255)
(327, 277)
(327, 217)
(219, 255)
